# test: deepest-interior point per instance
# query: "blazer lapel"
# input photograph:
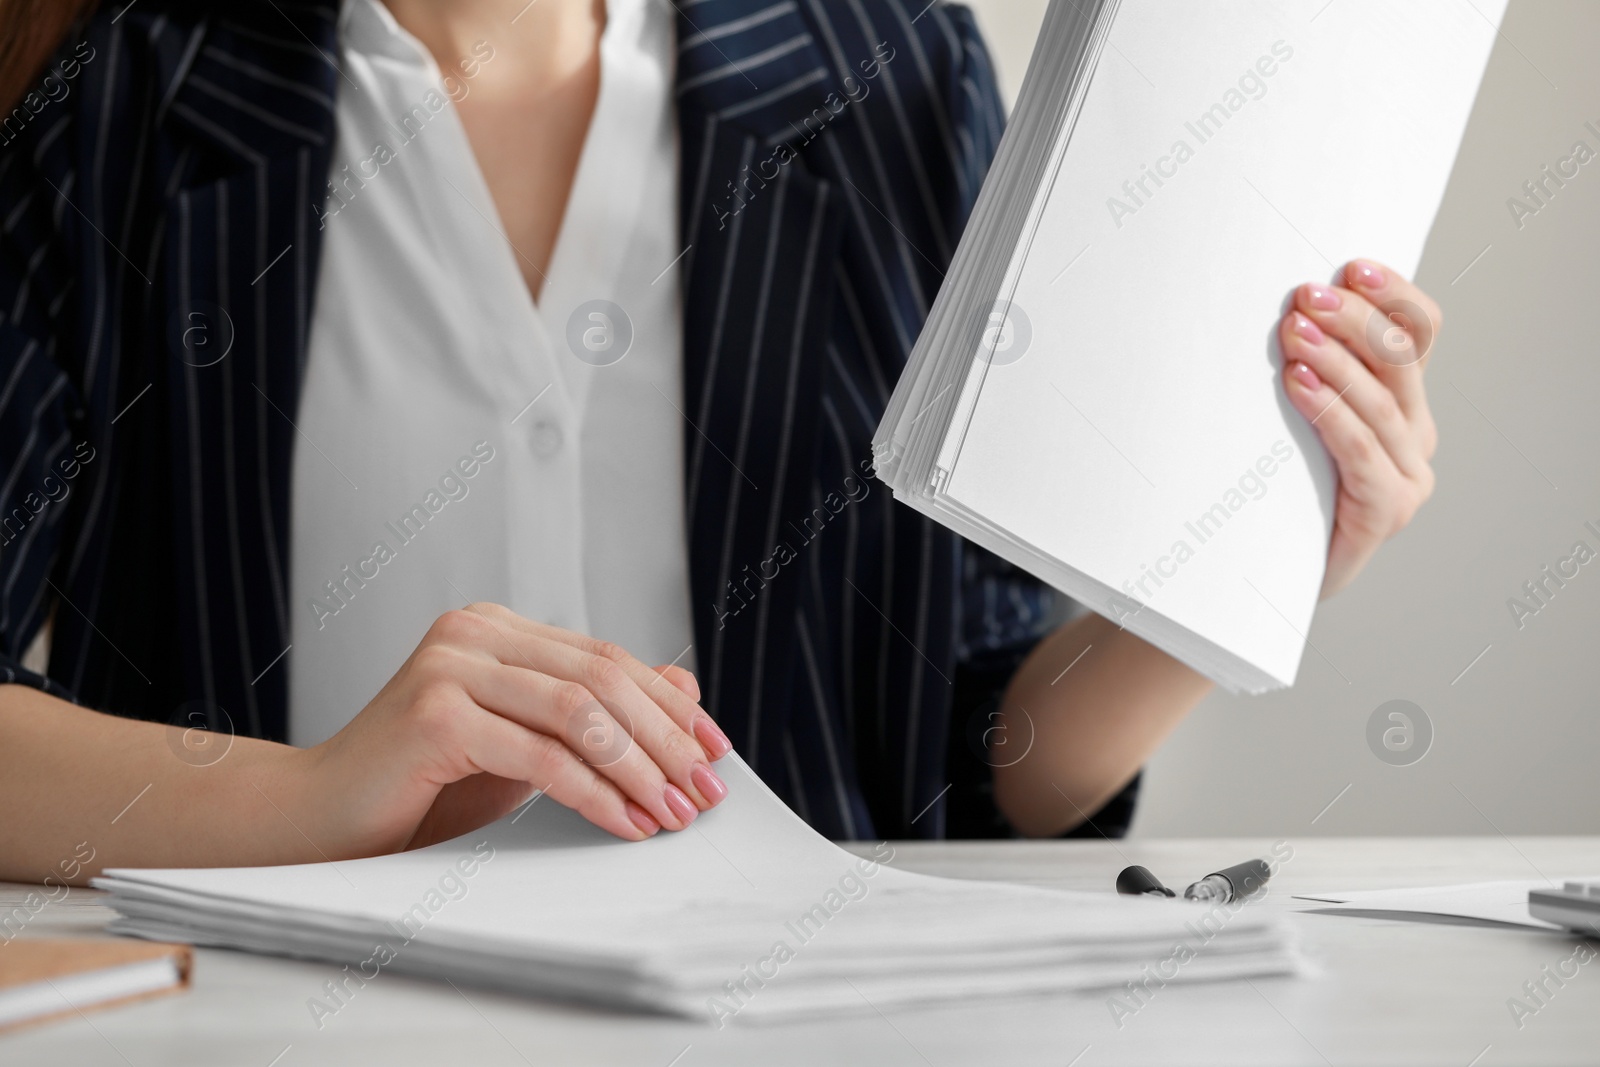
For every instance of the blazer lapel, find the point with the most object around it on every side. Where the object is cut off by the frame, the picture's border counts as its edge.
(255, 114)
(763, 232)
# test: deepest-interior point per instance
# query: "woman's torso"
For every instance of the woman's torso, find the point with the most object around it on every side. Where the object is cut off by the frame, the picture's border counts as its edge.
(830, 154)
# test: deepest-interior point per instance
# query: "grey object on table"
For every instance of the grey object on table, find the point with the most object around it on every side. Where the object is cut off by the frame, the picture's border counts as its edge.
(1576, 905)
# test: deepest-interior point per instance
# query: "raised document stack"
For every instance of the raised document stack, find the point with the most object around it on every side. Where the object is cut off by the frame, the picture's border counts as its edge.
(1097, 393)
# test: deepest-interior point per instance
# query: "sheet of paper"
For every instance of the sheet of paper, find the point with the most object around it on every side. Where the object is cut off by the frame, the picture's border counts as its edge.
(1502, 902)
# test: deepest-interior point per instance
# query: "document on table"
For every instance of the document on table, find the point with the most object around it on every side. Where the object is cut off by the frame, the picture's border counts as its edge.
(1497, 902)
(748, 913)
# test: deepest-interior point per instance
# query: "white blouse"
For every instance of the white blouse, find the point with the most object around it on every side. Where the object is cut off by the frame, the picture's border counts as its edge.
(456, 441)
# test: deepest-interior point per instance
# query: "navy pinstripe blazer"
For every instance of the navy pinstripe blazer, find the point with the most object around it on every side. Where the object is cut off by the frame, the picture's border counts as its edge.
(177, 164)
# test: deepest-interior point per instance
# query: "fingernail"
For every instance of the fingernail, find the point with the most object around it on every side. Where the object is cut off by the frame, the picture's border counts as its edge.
(1323, 299)
(680, 804)
(1369, 275)
(706, 780)
(642, 819)
(1305, 376)
(711, 737)
(1306, 329)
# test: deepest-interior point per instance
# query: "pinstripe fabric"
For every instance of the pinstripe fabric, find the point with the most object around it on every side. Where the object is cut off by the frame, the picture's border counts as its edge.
(184, 176)
(839, 620)
(148, 202)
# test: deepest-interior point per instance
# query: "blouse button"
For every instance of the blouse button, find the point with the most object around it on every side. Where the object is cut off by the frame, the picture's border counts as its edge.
(545, 438)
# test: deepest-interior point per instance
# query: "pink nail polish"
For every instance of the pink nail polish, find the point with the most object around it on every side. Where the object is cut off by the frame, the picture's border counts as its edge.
(1305, 376)
(711, 737)
(1307, 330)
(706, 780)
(1368, 275)
(642, 819)
(1323, 299)
(680, 804)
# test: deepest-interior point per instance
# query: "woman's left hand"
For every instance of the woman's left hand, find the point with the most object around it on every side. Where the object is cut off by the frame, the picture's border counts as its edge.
(1354, 355)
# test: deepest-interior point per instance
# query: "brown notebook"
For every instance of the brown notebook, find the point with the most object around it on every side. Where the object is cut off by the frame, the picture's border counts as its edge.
(51, 977)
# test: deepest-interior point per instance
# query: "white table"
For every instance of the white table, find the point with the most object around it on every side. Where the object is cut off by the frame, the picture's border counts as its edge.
(1387, 993)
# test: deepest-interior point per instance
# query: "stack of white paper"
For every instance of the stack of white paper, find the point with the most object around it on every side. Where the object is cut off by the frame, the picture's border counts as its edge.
(749, 913)
(1096, 395)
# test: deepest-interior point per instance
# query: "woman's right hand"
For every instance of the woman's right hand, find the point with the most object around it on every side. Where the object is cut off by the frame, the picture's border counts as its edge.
(491, 707)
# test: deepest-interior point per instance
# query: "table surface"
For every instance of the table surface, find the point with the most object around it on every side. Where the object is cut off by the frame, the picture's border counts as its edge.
(1381, 992)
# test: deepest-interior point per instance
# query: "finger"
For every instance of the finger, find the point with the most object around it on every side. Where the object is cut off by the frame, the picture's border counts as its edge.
(701, 724)
(1380, 283)
(567, 712)
(1398, 300)
(1389, 337)
(1353, 381)
(499, 746)
(676, 752)
(680, 699)
(680, 707)
(1367, 474)
(685, 682)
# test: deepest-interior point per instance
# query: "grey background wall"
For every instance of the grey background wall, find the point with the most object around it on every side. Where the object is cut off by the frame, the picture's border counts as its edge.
(1514, 381)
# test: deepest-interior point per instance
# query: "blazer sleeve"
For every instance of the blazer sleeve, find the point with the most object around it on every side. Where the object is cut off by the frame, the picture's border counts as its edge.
(1004, 611)
(41, 415)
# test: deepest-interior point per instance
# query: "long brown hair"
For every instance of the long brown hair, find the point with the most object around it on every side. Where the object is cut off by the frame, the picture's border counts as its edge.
(30, 32)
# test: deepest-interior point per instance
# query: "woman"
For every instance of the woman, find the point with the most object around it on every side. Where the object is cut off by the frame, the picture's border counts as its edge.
(321, 320)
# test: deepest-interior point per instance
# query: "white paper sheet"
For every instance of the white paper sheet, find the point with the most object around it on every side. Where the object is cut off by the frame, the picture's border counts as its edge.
(1501, 902)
